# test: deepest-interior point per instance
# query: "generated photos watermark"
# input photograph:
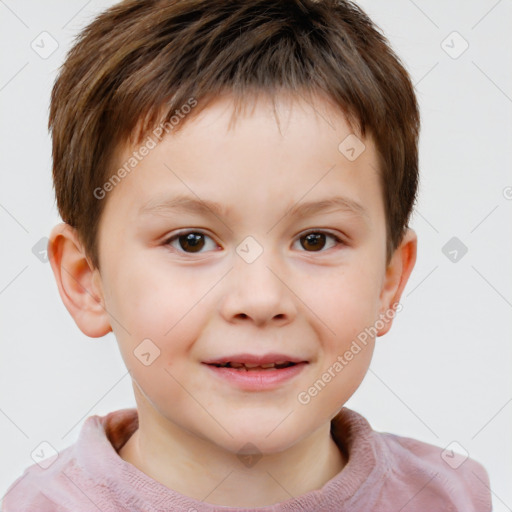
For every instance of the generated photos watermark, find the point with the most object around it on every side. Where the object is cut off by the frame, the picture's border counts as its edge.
(305, 397)
(149, 144)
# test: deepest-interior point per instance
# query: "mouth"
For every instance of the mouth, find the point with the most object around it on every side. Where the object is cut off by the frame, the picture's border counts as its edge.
(256, 372)
(249, 362)
(278, 365)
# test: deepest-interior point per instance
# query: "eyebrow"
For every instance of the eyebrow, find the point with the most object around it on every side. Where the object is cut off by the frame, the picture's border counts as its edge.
(185, 204)
(188, 204)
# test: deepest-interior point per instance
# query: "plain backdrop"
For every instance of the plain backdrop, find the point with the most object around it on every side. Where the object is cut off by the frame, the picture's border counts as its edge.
(442, 374)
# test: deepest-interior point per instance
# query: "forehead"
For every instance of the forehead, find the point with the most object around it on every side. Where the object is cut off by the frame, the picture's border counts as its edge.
(294, 152)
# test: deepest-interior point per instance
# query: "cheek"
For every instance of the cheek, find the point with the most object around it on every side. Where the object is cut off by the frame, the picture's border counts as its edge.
(344, 300)
(146, 297)
(156, 305)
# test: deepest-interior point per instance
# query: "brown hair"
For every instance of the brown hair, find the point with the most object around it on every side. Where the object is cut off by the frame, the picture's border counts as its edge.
(141, 60)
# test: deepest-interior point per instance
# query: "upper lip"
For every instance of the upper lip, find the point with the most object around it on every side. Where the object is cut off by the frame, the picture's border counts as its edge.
(256, 359)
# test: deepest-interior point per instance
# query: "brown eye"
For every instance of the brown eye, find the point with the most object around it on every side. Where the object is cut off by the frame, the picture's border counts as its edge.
(190, 242)
(316, 240)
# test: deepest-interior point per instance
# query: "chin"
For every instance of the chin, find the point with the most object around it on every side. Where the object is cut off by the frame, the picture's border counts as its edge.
(252, 436)
(257, 444)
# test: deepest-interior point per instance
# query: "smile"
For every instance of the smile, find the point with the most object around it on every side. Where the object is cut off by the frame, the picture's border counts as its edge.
(252, 367)
(256, 373)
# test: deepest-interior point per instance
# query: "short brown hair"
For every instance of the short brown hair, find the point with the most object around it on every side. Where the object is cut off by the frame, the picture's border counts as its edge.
(140, 60)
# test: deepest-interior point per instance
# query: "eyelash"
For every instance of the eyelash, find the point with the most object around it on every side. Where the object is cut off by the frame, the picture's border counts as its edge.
(338, 241)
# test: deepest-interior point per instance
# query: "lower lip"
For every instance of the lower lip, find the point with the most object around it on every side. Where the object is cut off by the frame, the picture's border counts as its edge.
(257, 380)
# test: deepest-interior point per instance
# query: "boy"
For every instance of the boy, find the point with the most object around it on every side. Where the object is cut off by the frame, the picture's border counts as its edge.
(235, 180)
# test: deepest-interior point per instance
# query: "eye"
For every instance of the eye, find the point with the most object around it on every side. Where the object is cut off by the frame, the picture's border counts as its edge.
(190, 241)
(315, 241)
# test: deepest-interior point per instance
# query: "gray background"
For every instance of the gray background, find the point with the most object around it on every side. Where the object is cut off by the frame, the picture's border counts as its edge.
(442, 374)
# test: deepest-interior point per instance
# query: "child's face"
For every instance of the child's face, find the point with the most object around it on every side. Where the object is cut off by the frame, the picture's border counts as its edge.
(206, 299)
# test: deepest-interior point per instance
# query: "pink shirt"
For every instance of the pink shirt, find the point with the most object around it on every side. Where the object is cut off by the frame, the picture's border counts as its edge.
(384, 473)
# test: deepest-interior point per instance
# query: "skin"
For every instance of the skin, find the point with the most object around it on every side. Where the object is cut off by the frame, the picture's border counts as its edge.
(198, 305)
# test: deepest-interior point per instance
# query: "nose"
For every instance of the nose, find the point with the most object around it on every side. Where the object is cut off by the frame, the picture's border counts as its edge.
(257, 292)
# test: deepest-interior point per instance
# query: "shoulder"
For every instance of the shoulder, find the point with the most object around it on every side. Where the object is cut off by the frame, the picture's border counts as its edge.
(79, 473)
(62, 487)
(454, 479)
(36, 488)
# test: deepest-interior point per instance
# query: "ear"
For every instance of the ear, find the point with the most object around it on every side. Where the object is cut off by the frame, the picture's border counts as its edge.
(397, 274)
(78, 282)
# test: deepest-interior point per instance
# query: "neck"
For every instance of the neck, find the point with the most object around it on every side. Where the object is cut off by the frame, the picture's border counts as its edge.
(206, 472)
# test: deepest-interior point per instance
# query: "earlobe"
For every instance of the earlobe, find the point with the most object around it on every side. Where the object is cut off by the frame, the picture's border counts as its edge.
(397, 275)
(79, 284)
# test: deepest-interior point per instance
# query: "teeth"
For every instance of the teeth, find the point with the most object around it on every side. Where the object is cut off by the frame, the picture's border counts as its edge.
(252, 367)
